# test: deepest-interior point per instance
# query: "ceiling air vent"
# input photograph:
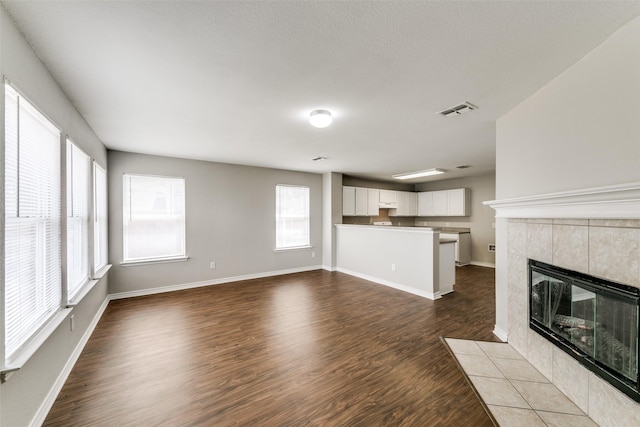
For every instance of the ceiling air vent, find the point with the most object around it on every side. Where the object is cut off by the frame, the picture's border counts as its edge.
(465, 107)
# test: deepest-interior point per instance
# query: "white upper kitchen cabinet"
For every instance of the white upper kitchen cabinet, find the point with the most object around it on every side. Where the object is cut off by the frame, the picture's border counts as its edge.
(357, 201)
(425, 203)
(348, 201)
(388, 198)
(459, 202)
(407, 204)
(373, 203)
(362, 202)
(441, 203)
(412, 209)
(456, 202)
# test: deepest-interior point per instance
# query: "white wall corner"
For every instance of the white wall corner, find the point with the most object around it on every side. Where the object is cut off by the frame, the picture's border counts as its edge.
(47, 404)
(500, 333)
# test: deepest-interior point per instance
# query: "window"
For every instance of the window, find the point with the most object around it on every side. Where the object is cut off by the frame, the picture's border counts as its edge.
(33, 283)
(153, 218)
(99, 218)
(78, 185)
(292, 217)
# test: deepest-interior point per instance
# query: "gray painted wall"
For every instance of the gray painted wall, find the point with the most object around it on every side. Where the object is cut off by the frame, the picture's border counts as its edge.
(482, 218)
(352, 181)
(332, 214)
(25, 391)
(230, 220)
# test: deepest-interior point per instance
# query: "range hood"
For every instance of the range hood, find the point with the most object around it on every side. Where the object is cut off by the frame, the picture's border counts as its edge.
(388, 205)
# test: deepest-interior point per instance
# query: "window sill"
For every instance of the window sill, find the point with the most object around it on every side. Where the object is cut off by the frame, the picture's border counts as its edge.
(102, 272)
(84, 290)
(32, 346)
(294, 248)
(153, 261)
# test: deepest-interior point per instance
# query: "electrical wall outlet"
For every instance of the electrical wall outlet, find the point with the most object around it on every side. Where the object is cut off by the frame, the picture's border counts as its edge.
(72, 322)
(492, 247)
(313, 254)
(212, 265)
(393, 267)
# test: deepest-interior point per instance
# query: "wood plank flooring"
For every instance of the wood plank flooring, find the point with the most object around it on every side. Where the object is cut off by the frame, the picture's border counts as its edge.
(315, 348)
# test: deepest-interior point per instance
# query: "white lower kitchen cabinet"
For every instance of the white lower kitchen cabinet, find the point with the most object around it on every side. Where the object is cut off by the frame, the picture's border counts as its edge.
(447, 269)
(462, 247)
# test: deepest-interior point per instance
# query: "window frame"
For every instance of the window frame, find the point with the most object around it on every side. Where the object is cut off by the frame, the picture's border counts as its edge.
(47, 325)
(126, 214)
(30, 342)
(98, 270)
(306, 245)
(77, 290)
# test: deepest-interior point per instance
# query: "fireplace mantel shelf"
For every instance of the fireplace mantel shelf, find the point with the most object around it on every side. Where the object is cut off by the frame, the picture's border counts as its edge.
(609, 202)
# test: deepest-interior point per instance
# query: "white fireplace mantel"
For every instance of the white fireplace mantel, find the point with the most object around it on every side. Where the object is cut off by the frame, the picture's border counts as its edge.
(609, 202)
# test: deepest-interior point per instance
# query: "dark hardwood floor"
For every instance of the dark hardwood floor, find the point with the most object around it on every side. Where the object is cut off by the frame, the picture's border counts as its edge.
(316, 348)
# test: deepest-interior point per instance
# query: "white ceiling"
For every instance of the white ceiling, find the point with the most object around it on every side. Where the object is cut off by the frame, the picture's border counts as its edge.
(234, 82)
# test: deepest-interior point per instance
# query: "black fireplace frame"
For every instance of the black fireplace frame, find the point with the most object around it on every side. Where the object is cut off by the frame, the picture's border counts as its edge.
(598, 286)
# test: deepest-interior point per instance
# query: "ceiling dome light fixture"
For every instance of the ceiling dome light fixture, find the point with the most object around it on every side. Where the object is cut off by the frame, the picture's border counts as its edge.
(320, 118)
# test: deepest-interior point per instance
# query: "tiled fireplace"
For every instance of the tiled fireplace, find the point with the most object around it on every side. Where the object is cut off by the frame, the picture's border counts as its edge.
(604, 248)
(591, 319)
(592, 231)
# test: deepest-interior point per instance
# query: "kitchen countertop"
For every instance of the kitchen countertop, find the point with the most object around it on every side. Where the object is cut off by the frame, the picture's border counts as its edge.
(447, 241)
(445, 230)
(403, 228)
(454, 230)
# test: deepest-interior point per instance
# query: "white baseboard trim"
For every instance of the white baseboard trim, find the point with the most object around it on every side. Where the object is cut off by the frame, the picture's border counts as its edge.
(328, 268)
(179, 287)
(45, 407)
(483, 264)
(502, 335)
(421, 293)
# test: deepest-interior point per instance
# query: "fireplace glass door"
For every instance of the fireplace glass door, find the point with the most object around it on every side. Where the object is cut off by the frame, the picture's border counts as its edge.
(598, 320)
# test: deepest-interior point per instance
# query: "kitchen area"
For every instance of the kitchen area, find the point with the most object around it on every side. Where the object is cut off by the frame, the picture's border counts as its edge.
(408, 239)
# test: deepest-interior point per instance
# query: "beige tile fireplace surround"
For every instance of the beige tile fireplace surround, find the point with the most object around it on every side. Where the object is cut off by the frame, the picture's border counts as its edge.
(603, 248)
(543, 228)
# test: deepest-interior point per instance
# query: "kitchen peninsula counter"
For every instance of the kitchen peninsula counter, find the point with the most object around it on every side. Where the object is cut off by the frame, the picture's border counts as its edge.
(405, 258)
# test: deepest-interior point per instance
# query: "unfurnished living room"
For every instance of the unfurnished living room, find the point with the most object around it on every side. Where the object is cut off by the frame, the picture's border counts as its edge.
(325, 213)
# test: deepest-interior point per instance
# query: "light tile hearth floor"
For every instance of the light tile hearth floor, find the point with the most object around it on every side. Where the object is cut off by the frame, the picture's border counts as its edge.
(513, 390)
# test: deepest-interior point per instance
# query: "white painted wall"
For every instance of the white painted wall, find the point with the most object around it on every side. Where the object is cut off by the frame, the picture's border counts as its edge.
(581, 130)
(370, 251)
(26, 391)
(230, 213)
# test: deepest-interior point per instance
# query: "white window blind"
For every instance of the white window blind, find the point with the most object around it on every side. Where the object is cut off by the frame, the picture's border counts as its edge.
(78, 187)
(292, 216)
(99, 218)
(33, 282)
(154, 218)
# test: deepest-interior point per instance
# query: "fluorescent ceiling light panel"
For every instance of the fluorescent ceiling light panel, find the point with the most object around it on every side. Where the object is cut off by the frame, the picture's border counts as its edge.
(420, 174)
